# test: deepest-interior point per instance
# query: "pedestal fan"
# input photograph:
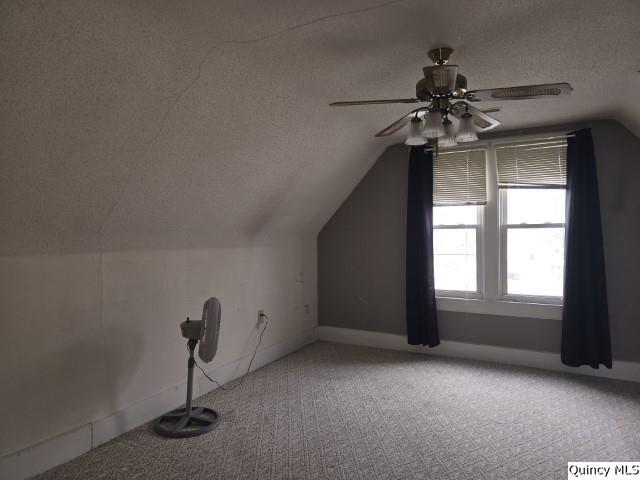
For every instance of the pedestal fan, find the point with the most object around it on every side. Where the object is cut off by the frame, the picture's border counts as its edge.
(190, 421)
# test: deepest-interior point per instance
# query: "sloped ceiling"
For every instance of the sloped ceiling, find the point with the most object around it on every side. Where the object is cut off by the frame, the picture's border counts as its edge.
(177, 124)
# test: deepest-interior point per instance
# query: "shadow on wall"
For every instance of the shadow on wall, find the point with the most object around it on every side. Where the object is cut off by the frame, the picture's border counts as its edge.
(73, 384)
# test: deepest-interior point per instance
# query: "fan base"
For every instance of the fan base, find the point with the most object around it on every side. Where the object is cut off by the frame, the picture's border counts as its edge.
(179, 424)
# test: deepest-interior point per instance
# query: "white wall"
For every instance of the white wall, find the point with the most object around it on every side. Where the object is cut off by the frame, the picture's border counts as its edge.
(86, 335)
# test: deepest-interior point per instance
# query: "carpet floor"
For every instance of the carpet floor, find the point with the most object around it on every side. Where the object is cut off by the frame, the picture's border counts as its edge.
(333, 411)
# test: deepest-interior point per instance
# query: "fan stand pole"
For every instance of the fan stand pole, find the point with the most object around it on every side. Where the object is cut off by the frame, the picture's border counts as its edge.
(189, 421)
(191, 345)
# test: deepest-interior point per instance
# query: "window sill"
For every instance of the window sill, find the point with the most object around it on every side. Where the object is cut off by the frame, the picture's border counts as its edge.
(500, 307)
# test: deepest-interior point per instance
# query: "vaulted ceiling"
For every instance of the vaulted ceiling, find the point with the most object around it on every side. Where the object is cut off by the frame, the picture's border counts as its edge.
(198, 124)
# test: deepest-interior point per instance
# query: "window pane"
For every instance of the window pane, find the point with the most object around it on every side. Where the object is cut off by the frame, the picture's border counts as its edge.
(535, 205)
(454, 252)
(535, 261)
(460, 215)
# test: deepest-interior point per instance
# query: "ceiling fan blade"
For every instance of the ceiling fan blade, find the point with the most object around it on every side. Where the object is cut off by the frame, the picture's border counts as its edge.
(519, 93)
(398, 124)
(482, 120)
(374, 102)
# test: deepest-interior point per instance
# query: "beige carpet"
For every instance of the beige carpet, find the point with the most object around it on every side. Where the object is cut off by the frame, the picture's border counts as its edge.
(334, 411)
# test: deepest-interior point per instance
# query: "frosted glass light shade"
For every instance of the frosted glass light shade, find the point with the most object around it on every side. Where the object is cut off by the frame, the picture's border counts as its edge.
(466, 131)
(415, 137)
(433, 125)
(449, 137)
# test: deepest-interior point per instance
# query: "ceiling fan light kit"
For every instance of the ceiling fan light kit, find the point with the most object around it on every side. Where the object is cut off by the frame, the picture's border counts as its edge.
(415, 137)
(449, 137)
(466, 130)
(444, 90)
(433, 125)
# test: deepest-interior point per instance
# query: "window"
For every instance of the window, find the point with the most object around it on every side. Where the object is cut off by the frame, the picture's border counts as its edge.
(505, 245)
(459, 191)
(455, 248)
(532, 241)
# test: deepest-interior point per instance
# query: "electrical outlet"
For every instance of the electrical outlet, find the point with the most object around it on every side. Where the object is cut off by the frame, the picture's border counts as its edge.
(262, 317)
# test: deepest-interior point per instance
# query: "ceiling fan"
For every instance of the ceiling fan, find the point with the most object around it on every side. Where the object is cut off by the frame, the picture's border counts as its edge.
(445, 92)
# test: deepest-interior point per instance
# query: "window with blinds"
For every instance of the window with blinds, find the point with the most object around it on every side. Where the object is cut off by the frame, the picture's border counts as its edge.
(532, 177)
(541, 164)
(459, 178)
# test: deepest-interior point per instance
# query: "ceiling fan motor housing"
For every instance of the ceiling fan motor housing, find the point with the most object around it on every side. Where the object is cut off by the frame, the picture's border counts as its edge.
(439, 81)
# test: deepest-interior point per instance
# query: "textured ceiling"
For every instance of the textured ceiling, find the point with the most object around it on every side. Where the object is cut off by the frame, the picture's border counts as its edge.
(172, 124)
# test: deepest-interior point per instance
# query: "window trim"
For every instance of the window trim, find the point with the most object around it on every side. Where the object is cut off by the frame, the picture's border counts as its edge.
(500, 308)
(491, 301)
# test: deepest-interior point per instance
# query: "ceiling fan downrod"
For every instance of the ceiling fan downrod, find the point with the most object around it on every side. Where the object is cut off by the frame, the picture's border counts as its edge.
(441, 55)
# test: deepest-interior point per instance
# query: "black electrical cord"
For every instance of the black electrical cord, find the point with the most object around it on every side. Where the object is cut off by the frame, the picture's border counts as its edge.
(255, 351)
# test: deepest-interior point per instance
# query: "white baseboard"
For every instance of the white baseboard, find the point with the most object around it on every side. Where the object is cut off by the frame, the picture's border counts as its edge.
(622, 370)
(106, 428)
(43, 456)
(62, 448)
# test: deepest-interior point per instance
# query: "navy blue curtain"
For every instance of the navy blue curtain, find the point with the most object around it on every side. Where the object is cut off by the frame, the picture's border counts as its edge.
(585, 315)
(422, 320)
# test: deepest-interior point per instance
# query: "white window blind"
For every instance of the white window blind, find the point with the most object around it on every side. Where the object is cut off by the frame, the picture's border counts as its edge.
(535, 164)
(459, 178)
